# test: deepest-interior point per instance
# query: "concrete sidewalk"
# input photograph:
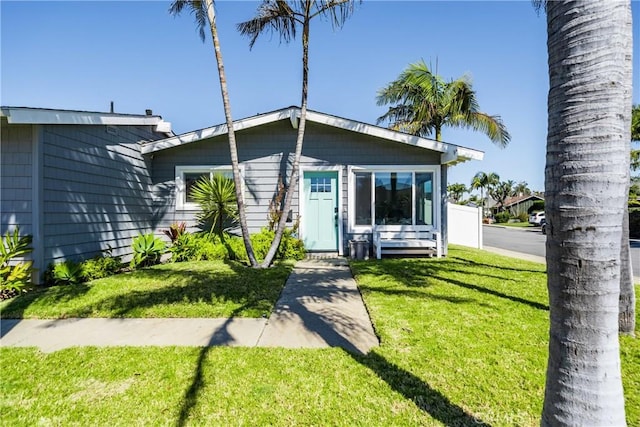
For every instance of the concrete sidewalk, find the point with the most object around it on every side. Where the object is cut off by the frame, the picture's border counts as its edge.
(320, 306)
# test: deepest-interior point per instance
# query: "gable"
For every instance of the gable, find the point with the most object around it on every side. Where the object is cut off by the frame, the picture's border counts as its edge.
(449, 153)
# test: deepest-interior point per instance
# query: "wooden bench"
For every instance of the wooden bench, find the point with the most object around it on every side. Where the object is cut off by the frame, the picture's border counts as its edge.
(407, 242)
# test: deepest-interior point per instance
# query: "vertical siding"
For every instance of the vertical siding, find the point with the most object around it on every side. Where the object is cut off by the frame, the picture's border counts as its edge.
(16, 178)
(96, 190)
(266, 152)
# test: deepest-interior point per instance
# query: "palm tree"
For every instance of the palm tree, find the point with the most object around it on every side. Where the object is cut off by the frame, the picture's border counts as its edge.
(456, 191)
(424, 103)
(204, 13)
(283, 17)
(635, 136)
(483, 181)
(589, 108)
(521, 188)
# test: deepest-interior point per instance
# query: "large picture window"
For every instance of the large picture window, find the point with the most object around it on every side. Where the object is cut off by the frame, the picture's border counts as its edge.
(393, 198)
(186, 178)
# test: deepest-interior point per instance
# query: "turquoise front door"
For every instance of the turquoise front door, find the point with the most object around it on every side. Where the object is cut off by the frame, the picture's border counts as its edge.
(320, 221)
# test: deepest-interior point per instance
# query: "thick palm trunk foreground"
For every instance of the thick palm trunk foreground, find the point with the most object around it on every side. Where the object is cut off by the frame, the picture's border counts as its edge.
(589, 45)
(233, 149)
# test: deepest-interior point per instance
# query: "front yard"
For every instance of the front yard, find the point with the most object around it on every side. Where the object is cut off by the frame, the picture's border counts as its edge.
(463, 342)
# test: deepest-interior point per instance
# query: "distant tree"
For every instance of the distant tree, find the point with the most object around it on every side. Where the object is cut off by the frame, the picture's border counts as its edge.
(205, 15)
(501, 192)
(283, 17)
(484, 181)
(423, 103)
(456, 191)
(521, 188)
(635, 136)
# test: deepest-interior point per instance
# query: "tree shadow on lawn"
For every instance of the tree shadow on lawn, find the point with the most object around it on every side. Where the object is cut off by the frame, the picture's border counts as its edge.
(190, 399)
(167, 287)
(418, 273)
(425, 397)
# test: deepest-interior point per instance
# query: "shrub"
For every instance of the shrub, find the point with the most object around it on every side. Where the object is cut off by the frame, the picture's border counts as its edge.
(538, 205)
(198, 247)
(216, 197)
(502, 217)
(67, 273)
(14, 276)
(175, 230)
(523, 217)
(99, 267)
(147, 250)
(290, 246)
(634, 223)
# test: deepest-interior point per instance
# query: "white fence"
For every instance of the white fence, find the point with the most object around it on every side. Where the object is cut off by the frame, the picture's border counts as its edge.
(465, 225)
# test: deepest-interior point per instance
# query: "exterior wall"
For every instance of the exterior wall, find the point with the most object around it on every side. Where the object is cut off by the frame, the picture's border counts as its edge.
(465, 225)
(267, 152)
(521, 207)
(16, 182)
(96, 189)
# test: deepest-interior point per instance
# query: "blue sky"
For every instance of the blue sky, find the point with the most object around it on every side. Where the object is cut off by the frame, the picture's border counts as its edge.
(84, 54)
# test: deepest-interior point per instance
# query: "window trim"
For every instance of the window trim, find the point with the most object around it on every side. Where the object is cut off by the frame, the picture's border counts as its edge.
(362, 229)
(180, 196)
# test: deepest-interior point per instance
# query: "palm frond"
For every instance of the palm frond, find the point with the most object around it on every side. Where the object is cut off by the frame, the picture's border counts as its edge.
(272, 16)
(198, 10)
(335, 11)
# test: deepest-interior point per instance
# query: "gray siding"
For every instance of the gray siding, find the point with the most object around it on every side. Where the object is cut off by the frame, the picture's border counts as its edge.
(96, 190)
(266, 152)
(16, 178)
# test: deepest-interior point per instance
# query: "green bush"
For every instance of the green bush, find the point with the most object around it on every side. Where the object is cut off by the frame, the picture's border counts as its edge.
(147, 250)
(502, 217)
(523, 217)
(634, 223)
(14, 276)
(290, 246)
(537, 206)
(198, 247)
(99, 267)
(67, 273)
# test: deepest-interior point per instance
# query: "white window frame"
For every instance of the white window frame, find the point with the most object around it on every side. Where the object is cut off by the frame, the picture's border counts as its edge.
(181, 199)
(351, 199)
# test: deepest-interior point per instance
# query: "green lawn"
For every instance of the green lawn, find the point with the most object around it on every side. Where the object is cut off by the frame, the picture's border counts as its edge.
(189, 289)
(463, 342)
(518, 225)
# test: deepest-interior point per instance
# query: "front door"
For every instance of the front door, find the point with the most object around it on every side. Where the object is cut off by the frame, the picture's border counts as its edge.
(320, 224)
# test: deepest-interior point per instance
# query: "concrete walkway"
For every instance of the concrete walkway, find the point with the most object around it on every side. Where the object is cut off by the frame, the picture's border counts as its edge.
(320, 306)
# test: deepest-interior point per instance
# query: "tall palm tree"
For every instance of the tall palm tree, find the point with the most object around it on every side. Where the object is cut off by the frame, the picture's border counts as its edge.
(424, 102)
(205, 15)
(589, 107)
(482, 181)
(283, 17)
(521, 188)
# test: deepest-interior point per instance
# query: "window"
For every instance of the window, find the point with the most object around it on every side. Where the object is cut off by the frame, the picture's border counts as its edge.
(393, 198)
(187, 176)
(321, 185)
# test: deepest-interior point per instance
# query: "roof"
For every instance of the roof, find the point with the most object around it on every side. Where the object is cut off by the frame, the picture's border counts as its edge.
(519, 199)
(46, 116)
(451, 154)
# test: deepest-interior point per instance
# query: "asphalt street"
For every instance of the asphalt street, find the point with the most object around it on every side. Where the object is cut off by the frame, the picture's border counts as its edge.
(532, 241)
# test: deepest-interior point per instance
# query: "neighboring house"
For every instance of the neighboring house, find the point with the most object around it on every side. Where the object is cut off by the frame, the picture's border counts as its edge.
(134, 178)
(520, 204)
(76, 180)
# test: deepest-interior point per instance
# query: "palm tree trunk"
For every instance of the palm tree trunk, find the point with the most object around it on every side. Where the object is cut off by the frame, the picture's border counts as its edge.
(295, 168)
(232, 136)
(589, 46)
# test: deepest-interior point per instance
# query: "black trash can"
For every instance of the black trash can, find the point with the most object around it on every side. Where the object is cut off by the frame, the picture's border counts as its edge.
(359, 249)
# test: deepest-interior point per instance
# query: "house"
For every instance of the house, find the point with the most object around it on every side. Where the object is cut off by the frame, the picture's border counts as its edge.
(84, 182)
(521, 203)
